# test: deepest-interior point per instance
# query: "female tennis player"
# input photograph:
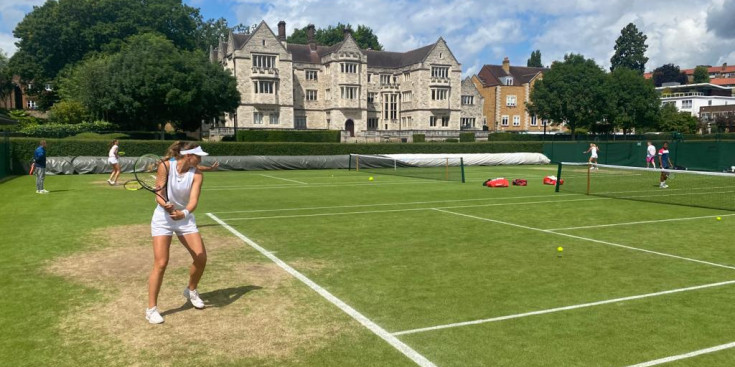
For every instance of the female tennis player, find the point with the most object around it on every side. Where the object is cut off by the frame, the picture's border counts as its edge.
(183, 189)
(593, 155)
(112, 158)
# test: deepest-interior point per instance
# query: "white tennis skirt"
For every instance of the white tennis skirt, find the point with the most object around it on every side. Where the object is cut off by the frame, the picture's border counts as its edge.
(112, 160)
(163, 225)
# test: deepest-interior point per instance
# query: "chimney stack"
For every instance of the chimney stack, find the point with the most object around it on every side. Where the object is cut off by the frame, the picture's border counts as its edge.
(281, 31)
(310, 37)
(347, 31)
(506, 65)
(724, 66)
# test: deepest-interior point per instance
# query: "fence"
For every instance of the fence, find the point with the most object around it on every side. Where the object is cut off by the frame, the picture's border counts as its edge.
(4, 155)
(705, 155)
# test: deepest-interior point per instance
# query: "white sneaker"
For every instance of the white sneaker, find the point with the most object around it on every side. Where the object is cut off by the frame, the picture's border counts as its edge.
(109, 182)
(664, 186)
(193, 297)
(42, 191)
(152, 315)
(38, 192)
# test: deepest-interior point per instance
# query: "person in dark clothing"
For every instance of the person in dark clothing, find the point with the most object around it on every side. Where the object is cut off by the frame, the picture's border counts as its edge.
(39, 161)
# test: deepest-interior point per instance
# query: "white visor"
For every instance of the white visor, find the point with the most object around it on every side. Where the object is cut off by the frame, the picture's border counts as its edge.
(197, 151)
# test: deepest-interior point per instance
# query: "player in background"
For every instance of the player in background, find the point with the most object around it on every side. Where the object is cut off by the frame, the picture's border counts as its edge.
(593, 150)
(113, 158)
(650, 155)
(665, 163)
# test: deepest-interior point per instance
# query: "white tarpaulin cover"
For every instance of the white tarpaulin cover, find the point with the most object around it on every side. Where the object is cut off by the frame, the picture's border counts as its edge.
(471, 159)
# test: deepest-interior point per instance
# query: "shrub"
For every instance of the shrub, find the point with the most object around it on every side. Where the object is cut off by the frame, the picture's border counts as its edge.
(328, 136)
(466, 137)
(68, 112)
(64, 130)
(419, 138)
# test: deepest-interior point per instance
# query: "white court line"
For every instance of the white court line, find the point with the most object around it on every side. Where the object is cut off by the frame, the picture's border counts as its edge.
(375, 328)
(587, 239)
(565, 308)
(686, 355)
(284, 179)
(408, 209)
(311, 186)
(388, 204)
(641, 222)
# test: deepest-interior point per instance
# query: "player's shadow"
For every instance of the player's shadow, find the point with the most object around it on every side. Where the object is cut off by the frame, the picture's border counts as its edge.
(218, 298)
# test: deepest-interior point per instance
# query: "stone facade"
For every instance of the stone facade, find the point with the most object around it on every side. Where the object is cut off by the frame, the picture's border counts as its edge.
(506, 90)
(342, 87)
(473, 103)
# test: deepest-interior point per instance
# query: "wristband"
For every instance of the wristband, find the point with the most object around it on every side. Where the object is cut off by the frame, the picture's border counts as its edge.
(186, 213)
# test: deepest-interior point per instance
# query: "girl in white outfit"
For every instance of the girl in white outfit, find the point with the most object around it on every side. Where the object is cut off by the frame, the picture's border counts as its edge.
(113, 159)
(176, 216)
(593, 155)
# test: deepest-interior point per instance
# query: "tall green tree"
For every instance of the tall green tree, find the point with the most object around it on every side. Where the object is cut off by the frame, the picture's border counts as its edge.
(701, 74)
(630, 50)
(151, 82)
(573, 92)
(210, 31)
(364, 36)
(634, 101)
(63, 32)
(6, 77)
(672, 120)
(668, 73)
(535, 60)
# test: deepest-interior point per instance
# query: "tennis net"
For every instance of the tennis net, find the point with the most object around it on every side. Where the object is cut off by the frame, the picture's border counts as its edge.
(690, 188)
(434, 168)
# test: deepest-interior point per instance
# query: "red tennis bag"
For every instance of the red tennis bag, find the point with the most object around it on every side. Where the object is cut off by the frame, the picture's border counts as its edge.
(551, 180)
(520, 182)
(497, 182)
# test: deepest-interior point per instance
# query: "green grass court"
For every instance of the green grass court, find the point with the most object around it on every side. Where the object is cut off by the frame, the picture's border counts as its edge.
(325, 268)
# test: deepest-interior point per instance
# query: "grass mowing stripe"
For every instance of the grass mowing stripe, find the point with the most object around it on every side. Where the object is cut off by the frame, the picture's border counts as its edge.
(588, 239)
(558, 309)
(642, 222)
(375, 328)
(686, 355)
(408, 209)
(284, 179)
(384, 204)
(315, 186)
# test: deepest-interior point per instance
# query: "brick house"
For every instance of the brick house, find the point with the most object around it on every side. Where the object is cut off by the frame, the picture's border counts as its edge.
(341, 87)
(506, 89)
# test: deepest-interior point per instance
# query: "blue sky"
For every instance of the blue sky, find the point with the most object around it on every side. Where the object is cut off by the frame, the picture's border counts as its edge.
(683, 32)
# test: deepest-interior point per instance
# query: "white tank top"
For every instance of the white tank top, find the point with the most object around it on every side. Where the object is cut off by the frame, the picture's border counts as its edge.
(113, 152)
(179, 186)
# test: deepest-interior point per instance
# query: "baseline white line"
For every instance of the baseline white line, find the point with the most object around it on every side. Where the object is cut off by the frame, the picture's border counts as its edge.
(588, 239)
(408, 209)
(641, 222)
(389, 204)
(375, 328)
(686, 355)
(284, 179)
(558, 309)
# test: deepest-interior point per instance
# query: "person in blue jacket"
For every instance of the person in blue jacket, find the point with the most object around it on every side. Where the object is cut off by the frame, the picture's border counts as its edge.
(39, 161)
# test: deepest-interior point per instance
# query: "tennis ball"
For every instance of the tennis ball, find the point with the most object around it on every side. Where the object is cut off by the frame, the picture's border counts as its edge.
(560, 249)
(121, 153)
(718, 218)
(370, 178)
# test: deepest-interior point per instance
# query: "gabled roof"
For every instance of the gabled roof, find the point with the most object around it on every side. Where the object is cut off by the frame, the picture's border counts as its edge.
(240, 39)
(490, 75)
(387, 59)
(304, 54)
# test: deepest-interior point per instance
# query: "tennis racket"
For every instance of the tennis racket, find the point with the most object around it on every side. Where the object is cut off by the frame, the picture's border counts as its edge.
(151, 174)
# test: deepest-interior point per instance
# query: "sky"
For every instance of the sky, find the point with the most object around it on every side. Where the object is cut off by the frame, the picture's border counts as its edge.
(686, 33)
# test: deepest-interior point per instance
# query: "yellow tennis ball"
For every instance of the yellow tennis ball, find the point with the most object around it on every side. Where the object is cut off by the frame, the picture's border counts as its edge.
(560, 249)
(370, 178)
(718, 218)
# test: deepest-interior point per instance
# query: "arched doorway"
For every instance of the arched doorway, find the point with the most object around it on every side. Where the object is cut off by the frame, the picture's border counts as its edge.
(350, 126)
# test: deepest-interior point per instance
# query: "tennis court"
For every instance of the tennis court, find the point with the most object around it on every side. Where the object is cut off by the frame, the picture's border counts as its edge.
(328, 268)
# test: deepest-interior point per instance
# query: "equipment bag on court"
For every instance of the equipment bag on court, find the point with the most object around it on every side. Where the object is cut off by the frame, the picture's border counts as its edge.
(520, 182)
(497, 182)
(551, 180)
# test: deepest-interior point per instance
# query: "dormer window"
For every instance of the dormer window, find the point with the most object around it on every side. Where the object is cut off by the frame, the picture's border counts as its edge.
(507, 80)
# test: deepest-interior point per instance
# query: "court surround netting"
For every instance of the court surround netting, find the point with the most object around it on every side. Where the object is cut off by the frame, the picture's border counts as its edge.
(434, 168)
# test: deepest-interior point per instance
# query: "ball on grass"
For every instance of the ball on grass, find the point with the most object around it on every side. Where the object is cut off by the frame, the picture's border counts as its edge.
(719, 218)
(370, 178)
(560, 249)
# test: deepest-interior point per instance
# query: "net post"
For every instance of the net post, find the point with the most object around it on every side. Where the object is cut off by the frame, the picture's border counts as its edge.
(349, 162)
(446, 169)
(589, 170)
(461, 166)
(558, 177)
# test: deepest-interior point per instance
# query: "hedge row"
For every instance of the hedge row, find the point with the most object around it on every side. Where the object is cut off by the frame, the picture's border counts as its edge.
(22, 148)
(327, 136)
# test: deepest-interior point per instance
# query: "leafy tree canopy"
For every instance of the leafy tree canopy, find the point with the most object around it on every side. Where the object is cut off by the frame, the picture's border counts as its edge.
(535, 60)
(673, 120)
(573, 91)
(668, 73)
(701, 74)
(6, 85)
(151, 82)
(63, 32)
(630, 49)
(634, 101)
(210, 32)
(364, 36)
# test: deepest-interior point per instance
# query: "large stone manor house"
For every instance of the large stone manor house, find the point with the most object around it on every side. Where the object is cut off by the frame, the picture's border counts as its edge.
(343, 87)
